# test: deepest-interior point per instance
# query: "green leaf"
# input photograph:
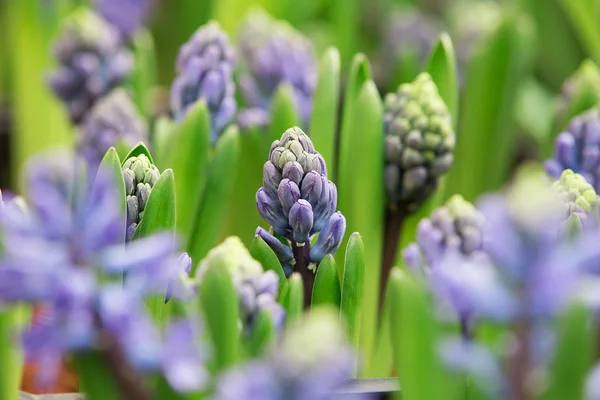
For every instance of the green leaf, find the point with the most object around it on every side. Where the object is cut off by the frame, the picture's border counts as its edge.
(574, 355)
(361, 197)
(260, 251)
(583, 15)
(189, 158)
(164, 127)
(216, 288)
(293, 299)
(95, 378)
(143, 76)
(219, 187)
(327, 285)
(345, 21)
(415, 337)
(262, 334)
(360, 72)
(442, 68)
(111, 166)
(12, 320)
(352, 288)
(138, 150)
(383, 356)
(283, 111)
(485, 137)
(325, 107)
(159, 214)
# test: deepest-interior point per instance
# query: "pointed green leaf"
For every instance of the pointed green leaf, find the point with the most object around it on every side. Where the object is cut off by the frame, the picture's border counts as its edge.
(159, 214)
(383, 356)
(137, 150)
(262, 334)
(442, 68)
(415, 336)
(283, 112)
(325, 107)
(485, 137)
(12, 320)
(583, 15)
(574, 355)
(164, 127)
(327, 285)
(143, 76)
(260, 251)
(216, 288)
(219, 187)
(188, 158)
(360, 72)
(95, 378)
(361, 198)
(345, 21)
(352, 287)
(293, 299)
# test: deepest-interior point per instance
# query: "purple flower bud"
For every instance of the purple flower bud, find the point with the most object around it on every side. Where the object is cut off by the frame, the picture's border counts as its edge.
(288, 193)
(330, 238)
(128, 16)
(271, 212)
(283, 252)
(301, 220)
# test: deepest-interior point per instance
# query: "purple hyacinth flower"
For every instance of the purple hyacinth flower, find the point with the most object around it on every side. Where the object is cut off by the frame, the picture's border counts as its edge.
(330, 238)
(128, 16)
(205, 66)
(578, 149)
(92, 61)
(273, 53)
(257, 293)
(184, 267)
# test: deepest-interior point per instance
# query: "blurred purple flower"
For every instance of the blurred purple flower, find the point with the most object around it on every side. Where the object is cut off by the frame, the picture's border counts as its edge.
(578, 149)
(54, 253)
(257, 293)
(205, 67)
(128, 16)
(273, 53)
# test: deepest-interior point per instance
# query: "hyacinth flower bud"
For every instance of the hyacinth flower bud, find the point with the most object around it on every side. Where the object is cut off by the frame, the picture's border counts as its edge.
(330, 237)
(259, 293)
(456, 226)
(578, 149)
(580, 198)
(92, 61)
(114, 119)
(272, 53)
(205, 66)
(139, 175)
(301, 220)
(128, 16)
(419, 143)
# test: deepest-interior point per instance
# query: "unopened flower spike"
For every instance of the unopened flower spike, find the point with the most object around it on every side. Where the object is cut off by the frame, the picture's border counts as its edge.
(92, 61)
(580, 198)
(299, 201)
(272, 53)
(128, 16)
(139, 175)
(205, 67)
(419, 143)
(113, 120)
(578, 149)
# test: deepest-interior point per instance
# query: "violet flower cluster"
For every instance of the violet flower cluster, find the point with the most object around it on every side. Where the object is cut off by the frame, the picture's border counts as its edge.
(578, 149)
(113, 120)
(273, 53)
(128, 16)
(92, 61)
(205, 67)
(298, 200)
(310, 363)
(55, 254)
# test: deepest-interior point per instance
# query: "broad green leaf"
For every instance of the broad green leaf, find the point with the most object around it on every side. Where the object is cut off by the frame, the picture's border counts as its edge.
(345, 21)
(189, 159)
(583, 15)
(353, 279)
(574, 355)
(360, 72)
(383, 356)
(325, 108)
(164, 127)
(219, 303)
(143, 76)
(485, 137)
(12, 320)
(415, 337)
(327, 284)
(219, 187)
(262, 334)
(361, 197)
(159, 214)
(260, 251)
(442, 68)
(293, 299)
(283, 112)
(138, 150)
(95, 377)
(242, 216)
